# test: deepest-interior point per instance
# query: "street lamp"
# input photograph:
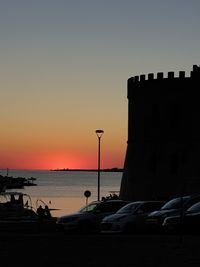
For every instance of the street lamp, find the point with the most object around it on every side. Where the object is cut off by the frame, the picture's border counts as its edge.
(99, 134)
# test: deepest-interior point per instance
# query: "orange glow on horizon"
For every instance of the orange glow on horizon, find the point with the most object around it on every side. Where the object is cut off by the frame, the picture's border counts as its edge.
(58, 160)
(57, 154)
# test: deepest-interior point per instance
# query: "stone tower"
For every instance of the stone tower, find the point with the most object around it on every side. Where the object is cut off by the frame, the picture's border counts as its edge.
(163, 151)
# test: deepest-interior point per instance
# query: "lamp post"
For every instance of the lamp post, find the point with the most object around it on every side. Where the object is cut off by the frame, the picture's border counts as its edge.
(99, 134)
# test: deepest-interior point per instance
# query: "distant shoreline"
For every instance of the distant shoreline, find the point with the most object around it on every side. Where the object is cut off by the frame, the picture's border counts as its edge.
(90, 170)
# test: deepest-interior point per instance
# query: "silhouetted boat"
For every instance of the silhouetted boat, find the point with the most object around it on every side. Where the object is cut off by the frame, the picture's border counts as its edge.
(9, 182)
(29, 182)
(18, 214)
(15, 204)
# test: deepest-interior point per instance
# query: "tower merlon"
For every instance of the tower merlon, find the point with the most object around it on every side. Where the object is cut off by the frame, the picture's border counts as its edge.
(171, 75)
(162, 156)
(160, 75)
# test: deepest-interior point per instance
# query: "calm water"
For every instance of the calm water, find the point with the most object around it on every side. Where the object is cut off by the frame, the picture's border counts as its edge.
(64, 190)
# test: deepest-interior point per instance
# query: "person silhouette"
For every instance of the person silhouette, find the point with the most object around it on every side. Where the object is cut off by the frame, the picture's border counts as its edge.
(12, 199)
(40, 212)
(47, 212)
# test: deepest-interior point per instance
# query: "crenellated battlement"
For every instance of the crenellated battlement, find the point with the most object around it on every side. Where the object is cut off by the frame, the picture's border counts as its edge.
(163, 136)
(170, 75)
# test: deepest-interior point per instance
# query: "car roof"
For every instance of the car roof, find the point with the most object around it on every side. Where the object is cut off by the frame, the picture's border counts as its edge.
(147, 202)
(109, 200)
(115, 200)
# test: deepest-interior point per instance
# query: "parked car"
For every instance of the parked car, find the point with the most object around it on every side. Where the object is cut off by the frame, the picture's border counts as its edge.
(187, 222)
(89, 217)
(173, 207)
(130, 218)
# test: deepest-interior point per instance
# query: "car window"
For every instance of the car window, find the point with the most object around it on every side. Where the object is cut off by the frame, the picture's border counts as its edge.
(110, 206)
(129, 208)
(175, 203)
(152, 206)
(89, 207)
(194, 208)
(192, 201)
(104, 207)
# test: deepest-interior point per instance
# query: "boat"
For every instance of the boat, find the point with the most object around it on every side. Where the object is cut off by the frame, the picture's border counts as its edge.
(10, 182)
(18, 214)
(15, 204)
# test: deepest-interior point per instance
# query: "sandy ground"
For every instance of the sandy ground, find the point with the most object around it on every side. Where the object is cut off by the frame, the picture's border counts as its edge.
(57, 249)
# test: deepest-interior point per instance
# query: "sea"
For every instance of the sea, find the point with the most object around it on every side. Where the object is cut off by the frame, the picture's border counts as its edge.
(63, 191)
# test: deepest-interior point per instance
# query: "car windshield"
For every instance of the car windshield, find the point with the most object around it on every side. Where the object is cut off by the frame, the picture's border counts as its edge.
(90, 207)
(175, 203)
(129, 208)
(194, 208)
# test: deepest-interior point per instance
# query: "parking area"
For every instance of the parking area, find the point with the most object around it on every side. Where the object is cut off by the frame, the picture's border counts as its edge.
(99, 250)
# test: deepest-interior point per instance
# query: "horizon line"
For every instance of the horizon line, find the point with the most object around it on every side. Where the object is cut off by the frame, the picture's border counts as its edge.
(60, 169)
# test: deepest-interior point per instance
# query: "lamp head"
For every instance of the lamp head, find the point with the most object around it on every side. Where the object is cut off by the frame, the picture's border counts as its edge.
(99, 133)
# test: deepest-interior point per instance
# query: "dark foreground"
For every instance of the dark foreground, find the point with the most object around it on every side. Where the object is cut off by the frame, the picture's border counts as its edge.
(57, 249)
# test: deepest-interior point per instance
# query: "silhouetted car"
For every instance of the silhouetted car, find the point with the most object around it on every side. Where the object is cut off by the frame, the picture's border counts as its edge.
(188, 222)
(173, 207)
(130, 218)
(89, 217)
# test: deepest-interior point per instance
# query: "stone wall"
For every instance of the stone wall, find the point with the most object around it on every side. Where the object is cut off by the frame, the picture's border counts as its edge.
(163, 147)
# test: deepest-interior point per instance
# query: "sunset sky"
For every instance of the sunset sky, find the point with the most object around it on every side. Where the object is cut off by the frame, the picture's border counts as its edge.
(64, 66)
